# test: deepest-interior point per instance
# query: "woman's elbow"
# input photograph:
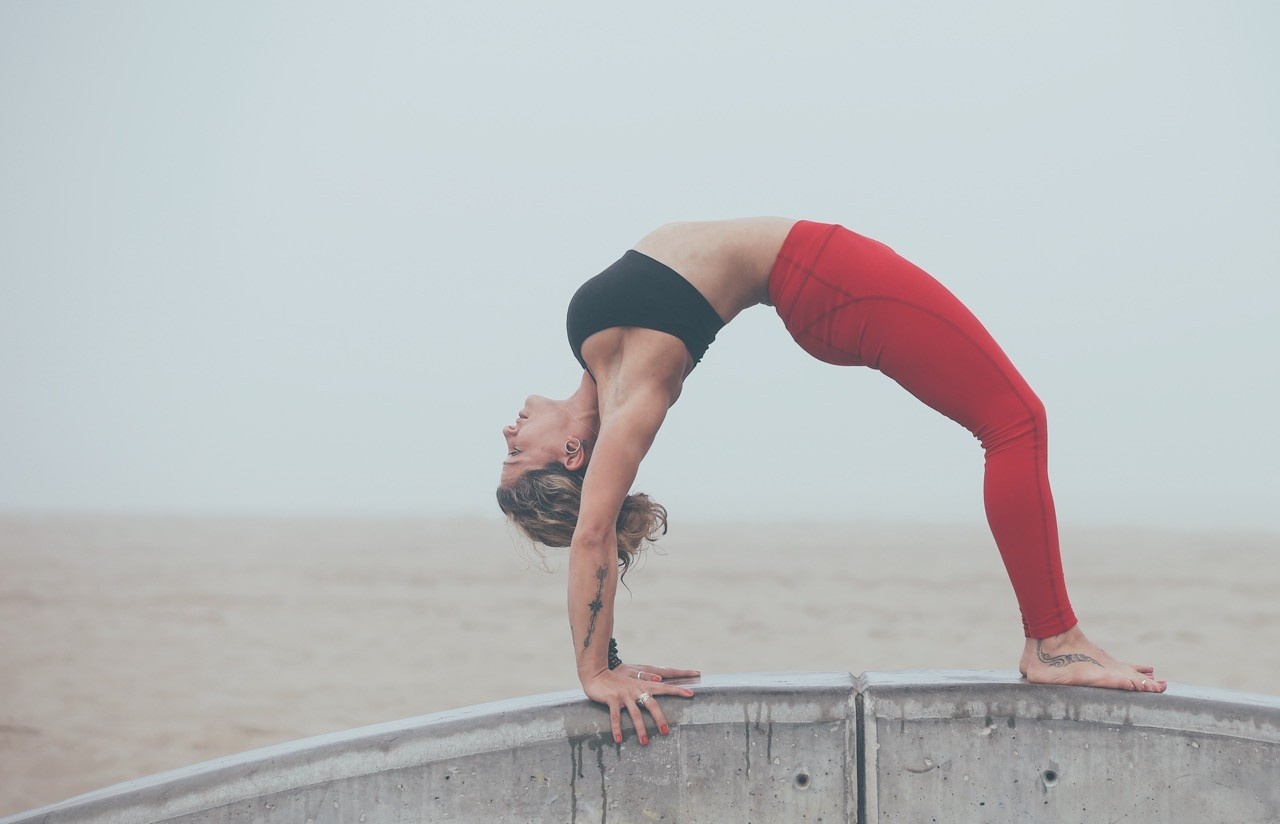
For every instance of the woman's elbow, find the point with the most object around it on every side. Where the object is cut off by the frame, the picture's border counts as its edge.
(593, 541)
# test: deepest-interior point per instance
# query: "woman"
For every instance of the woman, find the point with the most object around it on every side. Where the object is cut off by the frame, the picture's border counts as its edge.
(641, 326)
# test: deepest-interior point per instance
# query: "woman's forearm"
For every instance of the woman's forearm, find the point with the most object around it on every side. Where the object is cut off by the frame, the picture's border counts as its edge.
(593, 581)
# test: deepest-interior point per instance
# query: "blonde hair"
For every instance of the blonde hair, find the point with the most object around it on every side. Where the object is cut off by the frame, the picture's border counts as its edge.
(544, 503)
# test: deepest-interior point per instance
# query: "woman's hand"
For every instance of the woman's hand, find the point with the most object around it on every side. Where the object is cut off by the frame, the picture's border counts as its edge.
(648, 672)
(617, 690)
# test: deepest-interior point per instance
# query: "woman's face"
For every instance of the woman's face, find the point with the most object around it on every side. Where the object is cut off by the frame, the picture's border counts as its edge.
(539, 436)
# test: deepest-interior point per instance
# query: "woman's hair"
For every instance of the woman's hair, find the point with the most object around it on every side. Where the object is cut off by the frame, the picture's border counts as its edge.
(544, 504)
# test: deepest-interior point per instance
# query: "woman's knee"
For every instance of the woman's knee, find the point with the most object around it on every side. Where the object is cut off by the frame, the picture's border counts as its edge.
(1018, 418)
(1036, 413)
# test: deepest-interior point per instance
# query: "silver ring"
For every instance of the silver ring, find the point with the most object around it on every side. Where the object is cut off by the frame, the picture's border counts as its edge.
(644, 696)
(1146, 683)
(638, 674)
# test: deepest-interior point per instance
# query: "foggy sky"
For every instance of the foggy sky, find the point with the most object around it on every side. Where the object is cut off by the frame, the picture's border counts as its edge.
(311, 257)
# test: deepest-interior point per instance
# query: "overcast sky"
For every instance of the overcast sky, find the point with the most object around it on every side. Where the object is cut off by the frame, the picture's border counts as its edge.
(311, 257)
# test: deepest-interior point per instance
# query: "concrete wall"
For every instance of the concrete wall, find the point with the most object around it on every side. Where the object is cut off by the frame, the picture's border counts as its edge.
(789, 747)
(981, 747)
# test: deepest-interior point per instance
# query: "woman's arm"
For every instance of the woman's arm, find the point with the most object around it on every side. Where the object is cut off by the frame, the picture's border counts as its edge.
(625, 438)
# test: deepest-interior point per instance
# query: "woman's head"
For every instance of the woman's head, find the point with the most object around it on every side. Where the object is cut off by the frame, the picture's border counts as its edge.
(544, 503)
(548, 450)
(546, 432)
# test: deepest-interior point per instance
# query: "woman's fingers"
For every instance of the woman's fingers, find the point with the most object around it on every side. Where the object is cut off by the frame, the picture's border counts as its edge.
(672, 689)
(645, 700)
(656, 711)
(651, 704)
(615, 718)
(637, 719)
(669, 672)
(649, 671)
(661, 720)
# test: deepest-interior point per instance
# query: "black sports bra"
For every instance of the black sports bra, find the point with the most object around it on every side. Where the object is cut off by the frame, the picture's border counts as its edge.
(640, 291)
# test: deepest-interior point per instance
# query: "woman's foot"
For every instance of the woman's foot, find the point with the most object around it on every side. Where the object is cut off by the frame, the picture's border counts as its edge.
(1029, 652)
(1070, 658)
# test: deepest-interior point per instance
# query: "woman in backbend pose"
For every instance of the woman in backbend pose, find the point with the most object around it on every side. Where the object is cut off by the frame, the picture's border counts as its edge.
(638, 329)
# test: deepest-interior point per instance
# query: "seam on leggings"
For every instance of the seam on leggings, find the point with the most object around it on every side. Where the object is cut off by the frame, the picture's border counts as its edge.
(808, 270)
(804, 271)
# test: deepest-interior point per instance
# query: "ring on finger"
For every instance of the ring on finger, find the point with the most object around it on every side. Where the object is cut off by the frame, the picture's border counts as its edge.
(644, 696)
(639, 675)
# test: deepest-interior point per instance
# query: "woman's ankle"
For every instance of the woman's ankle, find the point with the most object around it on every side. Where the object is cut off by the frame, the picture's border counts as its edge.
(1068, 638)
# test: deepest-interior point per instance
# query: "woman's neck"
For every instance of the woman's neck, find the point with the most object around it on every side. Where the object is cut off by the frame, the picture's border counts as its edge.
(584, 406)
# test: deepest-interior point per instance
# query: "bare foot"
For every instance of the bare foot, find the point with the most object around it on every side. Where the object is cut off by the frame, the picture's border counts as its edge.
(1070, 658)
(1029, 652)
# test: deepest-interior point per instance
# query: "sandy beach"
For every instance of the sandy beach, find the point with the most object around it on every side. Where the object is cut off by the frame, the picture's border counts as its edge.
(132, 645)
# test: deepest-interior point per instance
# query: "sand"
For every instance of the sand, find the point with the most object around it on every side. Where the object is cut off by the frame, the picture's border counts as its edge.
(132, 645)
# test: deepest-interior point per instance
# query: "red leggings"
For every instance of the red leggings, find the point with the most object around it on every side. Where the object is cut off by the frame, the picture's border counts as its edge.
(852, 301)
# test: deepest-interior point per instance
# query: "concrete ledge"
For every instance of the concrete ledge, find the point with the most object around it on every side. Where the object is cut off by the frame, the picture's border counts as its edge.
(981, 746)
(913, 746)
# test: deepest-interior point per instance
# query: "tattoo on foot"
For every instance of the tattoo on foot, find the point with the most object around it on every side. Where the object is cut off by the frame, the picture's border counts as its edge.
(1061, 660)
(596, 605)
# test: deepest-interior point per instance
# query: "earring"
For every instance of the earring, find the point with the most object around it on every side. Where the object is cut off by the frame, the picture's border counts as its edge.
(574, 450)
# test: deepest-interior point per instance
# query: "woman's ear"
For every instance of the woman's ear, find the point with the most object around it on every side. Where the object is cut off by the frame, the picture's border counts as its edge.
(575, 455)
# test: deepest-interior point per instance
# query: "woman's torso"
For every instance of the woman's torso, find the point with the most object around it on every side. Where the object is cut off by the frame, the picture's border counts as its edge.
(727, 261)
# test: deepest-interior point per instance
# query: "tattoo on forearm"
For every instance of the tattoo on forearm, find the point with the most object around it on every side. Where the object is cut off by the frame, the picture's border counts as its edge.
(1061, 660)
(596, 605)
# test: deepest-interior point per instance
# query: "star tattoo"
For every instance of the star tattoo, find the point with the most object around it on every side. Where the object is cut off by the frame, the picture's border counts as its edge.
(596, 605)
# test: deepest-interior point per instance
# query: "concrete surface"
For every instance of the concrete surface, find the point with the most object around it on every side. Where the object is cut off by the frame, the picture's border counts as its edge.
(975, 746)
(775, 747)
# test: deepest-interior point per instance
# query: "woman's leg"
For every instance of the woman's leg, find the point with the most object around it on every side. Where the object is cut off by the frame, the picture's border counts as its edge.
(868, 306)
(850, 300)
